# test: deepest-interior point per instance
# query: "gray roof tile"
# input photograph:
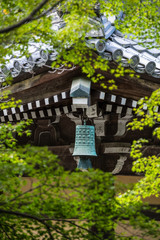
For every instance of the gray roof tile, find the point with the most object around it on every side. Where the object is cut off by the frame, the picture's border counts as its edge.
(98, 44)
(139, 48)
(145, 60)
(116, 52)
(109, 32)
(124, 42)
(129, 58)
(107, 26)
(155, 52)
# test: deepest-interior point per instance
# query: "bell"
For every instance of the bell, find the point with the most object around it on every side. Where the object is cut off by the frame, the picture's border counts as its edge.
(85, 141)
(84, 163)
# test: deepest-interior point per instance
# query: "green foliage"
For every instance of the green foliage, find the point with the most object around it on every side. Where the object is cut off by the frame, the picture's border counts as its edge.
(141, 20)
(147, 116)
(39, 200)
(59, 204)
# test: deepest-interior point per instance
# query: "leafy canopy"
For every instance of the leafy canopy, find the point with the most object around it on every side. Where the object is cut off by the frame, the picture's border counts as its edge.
(149, 165)
(59, 204)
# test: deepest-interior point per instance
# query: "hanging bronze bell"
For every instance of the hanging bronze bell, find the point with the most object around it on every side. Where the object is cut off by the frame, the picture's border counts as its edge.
(84, 163)
(85, 141)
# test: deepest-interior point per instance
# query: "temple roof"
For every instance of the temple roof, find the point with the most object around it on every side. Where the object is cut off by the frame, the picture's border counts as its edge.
(107, 42)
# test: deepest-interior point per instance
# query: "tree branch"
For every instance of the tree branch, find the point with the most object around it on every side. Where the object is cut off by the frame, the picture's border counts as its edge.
(42, 221)
(23, 193)
(46, 12)
(72, 223)
(30, 17)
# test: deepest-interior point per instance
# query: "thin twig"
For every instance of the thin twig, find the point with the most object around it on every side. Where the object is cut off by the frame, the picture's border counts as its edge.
(28, 18)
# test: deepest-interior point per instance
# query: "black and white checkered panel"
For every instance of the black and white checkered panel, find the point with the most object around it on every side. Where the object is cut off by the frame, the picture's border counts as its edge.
(22, 111)
(42, 108)
(121, 110)
(36, 114)
(116, 99)
(127, 103)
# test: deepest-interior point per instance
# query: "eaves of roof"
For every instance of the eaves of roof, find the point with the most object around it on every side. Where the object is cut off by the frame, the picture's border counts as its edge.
(114, 47)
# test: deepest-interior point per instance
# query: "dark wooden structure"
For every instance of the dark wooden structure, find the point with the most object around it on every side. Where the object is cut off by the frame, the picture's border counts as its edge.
(46, 99)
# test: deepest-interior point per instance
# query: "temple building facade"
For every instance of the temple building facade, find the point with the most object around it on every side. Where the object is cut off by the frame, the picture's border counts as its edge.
(56, 100)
